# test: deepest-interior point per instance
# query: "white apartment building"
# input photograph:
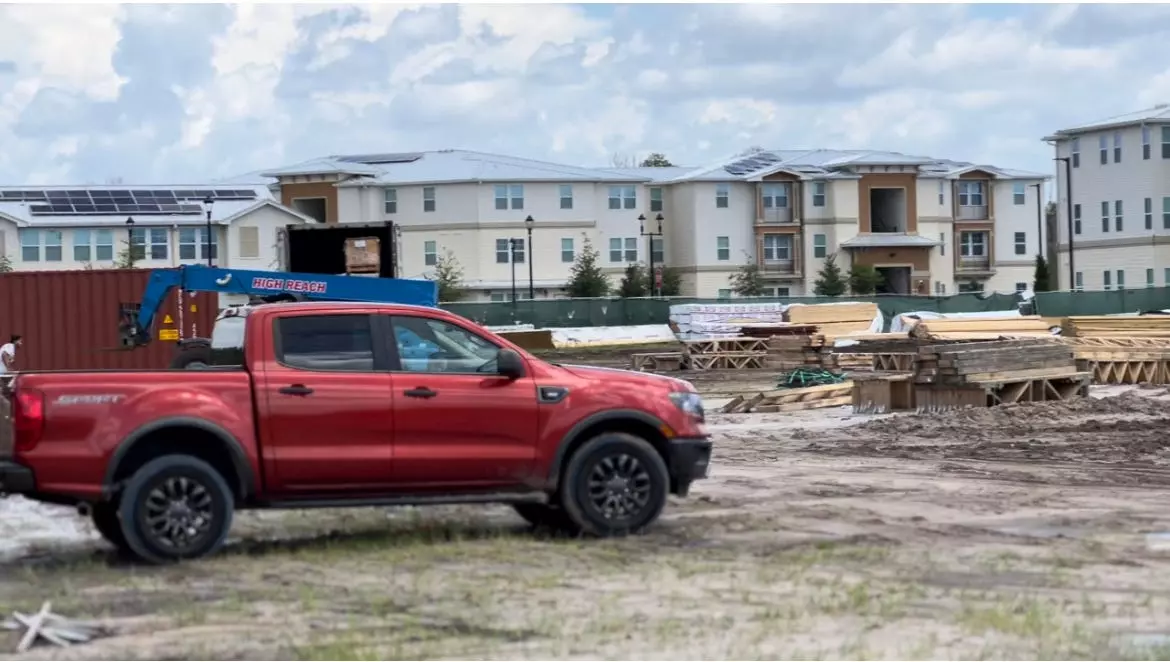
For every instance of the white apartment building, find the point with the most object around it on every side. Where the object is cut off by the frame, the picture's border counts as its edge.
(929, 225)
(1120, 204)
(50, 228)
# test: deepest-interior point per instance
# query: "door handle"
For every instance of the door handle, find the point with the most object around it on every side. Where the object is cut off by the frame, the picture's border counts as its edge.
(296, 389)
(420, 392)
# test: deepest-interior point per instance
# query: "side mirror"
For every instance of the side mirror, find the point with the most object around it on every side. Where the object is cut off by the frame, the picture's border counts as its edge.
(509, 364)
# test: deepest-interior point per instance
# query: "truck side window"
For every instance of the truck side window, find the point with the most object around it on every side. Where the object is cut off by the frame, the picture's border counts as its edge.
(430, 345)
(325, 342)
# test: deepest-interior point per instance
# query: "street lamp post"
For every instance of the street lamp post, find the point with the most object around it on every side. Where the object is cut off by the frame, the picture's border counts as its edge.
(1072, 282)
(1039, 220)
(528, 224)
(651, 235)
(512, 259)
(207, 203)
(130, 241)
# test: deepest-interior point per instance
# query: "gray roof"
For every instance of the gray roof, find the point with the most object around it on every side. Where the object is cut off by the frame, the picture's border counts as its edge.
(888, 240)
(1159, 114)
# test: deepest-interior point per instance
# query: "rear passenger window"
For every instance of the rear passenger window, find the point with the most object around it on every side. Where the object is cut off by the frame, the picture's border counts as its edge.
(325, 342)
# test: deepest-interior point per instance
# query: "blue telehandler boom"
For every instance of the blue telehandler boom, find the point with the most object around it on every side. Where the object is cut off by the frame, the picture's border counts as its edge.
(261, 287)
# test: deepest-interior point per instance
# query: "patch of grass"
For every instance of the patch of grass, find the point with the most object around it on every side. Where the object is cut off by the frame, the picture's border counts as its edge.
(1026, 618)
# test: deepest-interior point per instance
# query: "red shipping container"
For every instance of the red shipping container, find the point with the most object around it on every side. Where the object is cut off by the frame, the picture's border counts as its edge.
(69, 319)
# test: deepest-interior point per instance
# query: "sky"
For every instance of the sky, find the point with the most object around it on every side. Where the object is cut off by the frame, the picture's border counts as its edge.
(91, 94)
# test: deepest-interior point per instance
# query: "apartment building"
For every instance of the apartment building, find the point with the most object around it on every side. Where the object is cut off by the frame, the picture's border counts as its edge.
(50, 228)
(1118, 173)
(928, 225)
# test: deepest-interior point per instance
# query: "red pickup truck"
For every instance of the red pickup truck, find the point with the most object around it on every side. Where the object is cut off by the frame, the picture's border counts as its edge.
(338, 404)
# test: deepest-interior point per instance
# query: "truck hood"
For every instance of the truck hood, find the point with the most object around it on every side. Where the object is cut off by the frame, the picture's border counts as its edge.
(628, 376)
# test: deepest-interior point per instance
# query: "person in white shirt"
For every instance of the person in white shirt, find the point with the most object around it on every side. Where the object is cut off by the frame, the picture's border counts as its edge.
(8, 355)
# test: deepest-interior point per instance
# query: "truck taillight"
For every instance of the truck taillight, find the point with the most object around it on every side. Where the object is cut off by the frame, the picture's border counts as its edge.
(28, 418)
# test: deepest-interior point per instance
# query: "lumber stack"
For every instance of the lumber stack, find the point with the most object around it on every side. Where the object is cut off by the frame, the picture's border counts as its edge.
(981, 328)
(959, 364)
(764, 330)
(1117, 326)
(790, 352)
(792, 399)
(834, 319)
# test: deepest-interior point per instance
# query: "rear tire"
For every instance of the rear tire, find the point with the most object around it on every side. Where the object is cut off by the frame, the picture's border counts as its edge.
(546, 516)
(192, 356)
(105, 519)
(615, 484)
(176, 507)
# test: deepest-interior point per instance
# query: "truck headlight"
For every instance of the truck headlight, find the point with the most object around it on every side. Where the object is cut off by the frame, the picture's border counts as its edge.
(691, 403)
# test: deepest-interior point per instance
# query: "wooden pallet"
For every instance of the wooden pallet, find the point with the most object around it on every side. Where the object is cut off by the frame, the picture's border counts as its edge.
(656, 361)
(1125, 365)
(1108, 341)
(878, 393)
(894, 362)
(792, 399)
(724, 345)
(726, 361)
(851, 361)
(988, 393)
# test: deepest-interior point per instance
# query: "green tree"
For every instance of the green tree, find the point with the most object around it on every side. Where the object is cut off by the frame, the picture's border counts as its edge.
(1040, 282)
(746, 281)
(671, 282)
(656, 160)
(635, 282)
(5, 264)
(830, 279)
(864, 279)
(129, 256)
(448, 275)
(587, 280)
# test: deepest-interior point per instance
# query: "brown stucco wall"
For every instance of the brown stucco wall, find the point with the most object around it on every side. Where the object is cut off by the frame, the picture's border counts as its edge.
(919, 258)
(907, 181)
(327, 190)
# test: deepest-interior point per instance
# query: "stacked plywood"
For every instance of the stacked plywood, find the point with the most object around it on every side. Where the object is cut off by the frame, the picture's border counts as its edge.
(793, 399)
(982, 328)
(1117, 326)
(834, 319)
(790, 351)
(997, 372)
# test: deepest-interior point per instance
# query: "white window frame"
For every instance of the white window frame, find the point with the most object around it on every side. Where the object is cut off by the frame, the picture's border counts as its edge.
(53, 246)
(568, 251)
(30, 245)
(1117, 147)
(566, 195)
(1145, 143)
(390, 201)
(655, 198)
(818, 194)
(1021, 287)
(1148, 212)
(430, 252)
(657, 250)
(103, 245)
(1105, 215)
(198, 243)
(723, 293)
(1103, 149)
(1021, 243)
(1166, 142)
(1077, 218)
(1079, 281)
(623, 197)
(1106, 280)
(775, 196)
(1118, 216)
(942, 244)
(1019, 193)
(723, 248)
(1166, 213)
(509, 196)
(1121, 279)
(159, 243)
(820, 245)
(82, 246)
(1075, 152)
(722, 195)
(1149, 277)
(772, 253)
(428, 199)
(973, 244)
(942, 192)
(971, 194)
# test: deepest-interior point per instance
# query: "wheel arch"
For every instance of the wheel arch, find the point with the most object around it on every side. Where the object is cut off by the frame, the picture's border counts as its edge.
(182, 436)
(631, 421)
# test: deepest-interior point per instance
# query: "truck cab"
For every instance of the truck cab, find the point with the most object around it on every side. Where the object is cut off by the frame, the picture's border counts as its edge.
(335, 404)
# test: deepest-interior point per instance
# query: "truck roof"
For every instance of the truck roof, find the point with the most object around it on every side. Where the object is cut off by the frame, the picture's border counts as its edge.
(349, 305)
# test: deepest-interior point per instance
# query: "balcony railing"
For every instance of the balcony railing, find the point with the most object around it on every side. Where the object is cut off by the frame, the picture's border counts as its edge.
(973, 213)
(777, 216)
(779, 267)
(982, 263)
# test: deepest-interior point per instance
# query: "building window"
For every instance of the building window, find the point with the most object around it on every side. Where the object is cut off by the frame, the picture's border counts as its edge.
(1103, 148)
(567, 252)
(777, 248)
(656, 198)
(391, 203)
(1145, 143)
(623, 197)
(971, 194)
(1166, 276)
(1166, 142)
(820, 245)
(159, 243)
(1021, 243)
(1117, 147)
(137, 247)
(1076, 152)
(1019, 193)
(775, 196)
(504, 250)
(942, 241)
(499, 297)
(972, 244)
(53, 246)
(623, 249)
(940, 287)
(818, 194)
(1080, 281)
(723, 248)
(566, 196)
(657, 254)
(1166, 213)
(1021, 287)
(428, 198)
(1107, 279)
(724, 294)
(30, 245)
(194, 240)
(1149, 277)
(81, 250)
(501, 251)
(511, 196)
(1148, 212)
(1118, 223)
(1077, 219)
(430, 253)
(942, 192)
(1120, 279)
(1104, 217)
(104, 245)
(722, 194)
(249, 241)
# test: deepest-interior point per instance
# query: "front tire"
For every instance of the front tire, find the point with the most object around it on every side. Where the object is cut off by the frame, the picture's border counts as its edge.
(176, 507)
(615, 484)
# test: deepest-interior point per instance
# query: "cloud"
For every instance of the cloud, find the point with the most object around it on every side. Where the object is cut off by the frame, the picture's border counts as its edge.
(181, 93)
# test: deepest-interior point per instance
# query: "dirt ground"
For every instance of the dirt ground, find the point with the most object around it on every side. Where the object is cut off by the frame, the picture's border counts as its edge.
(1027, 531)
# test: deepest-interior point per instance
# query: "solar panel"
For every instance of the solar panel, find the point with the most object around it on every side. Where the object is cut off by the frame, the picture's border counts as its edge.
(123, 201)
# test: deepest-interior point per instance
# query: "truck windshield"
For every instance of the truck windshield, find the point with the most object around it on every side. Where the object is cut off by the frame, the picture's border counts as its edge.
(227, 341)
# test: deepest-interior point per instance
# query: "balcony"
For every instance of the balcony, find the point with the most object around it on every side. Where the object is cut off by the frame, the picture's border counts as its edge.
(776, 216)
(972, 213)
(779, 268)
(974, 265)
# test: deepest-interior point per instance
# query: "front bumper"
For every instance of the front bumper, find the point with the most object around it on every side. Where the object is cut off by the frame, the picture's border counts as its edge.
(689, 460)
(16, 478)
